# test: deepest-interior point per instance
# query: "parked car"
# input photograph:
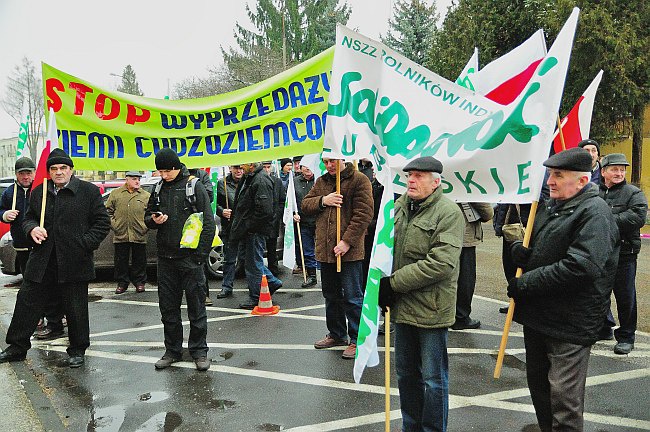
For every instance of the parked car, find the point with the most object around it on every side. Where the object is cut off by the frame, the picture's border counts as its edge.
(105, 253)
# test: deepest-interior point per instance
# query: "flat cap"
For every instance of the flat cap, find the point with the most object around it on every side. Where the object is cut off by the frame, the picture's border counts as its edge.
(573, 159)
(133, 174)
(424, 163)
(614, 159)
(24, 164)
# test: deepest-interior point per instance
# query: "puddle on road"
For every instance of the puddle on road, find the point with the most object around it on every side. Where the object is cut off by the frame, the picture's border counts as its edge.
(252, 363)
(221, 404)
(106, 419)
(93, 298)
(152, 397)
(511, 362)
(226, 355)
(270, 427)
(295, 295)
(162, 422)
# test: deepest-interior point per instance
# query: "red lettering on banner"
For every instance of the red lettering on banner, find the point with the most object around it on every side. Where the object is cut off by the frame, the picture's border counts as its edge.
(100, 104)
(80, 98)
(132, 115)
(52, 87)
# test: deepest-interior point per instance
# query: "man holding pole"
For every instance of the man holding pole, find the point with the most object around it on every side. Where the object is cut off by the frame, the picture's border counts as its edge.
(226, 188)
(563, 294)
(341, 289)
(422, 291)
(307, 224)
(61, 263)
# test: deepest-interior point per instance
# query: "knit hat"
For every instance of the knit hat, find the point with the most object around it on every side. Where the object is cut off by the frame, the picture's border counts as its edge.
(573, 159)
(167, 159)
(284, 161)
(587, 142)
(24, 164)
(58, 156)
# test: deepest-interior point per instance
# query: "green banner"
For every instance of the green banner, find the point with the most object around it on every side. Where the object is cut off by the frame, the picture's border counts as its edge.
(104, 130)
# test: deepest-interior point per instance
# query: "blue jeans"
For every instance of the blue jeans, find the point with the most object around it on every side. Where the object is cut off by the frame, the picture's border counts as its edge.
(308, 235)
(255, 268)
(422, 377)
(625, 294)
(343, 298)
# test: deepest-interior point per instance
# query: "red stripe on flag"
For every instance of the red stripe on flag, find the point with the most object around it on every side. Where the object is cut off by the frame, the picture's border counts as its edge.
(570, 129)
(508, 91)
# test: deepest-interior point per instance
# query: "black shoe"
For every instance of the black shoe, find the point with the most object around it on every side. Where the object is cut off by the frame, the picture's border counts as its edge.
(247, 306)
(224, 293)
(165, 362)
(274, 288)
(76, 361)
(623, 348)
(503, 309)
(464, 325)
(202, 364)
(11, 356)
(48, 333)
(311, 281)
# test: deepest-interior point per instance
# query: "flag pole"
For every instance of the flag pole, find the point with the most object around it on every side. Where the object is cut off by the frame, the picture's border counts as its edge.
(225, 186)
(302, 253)
(44, 184)
(338, 213)
(387, 367)
(13, 199)
(559, 128)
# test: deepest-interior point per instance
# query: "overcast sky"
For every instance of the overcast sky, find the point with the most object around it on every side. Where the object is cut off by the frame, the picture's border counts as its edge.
(163, 40)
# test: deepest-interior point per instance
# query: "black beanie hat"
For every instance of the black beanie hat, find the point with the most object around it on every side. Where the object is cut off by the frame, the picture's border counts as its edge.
(167, 159)
(587, 142)
(284, 161)
(58, 156)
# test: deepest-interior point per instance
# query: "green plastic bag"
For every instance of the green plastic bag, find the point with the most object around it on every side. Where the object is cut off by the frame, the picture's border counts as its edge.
(192, 231)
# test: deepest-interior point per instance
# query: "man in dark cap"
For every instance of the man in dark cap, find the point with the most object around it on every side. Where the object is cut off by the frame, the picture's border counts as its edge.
(180, 270)
(61, 262)
(422, 294)
(563, 294)
(593, 148)
(126, 206)
(630, 208)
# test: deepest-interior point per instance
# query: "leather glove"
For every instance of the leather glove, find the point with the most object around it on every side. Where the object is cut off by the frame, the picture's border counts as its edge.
(513, 288)
(520, 254)
(385, 294)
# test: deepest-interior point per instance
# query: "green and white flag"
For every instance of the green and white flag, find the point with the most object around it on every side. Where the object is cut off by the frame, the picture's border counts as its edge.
(315, 164)
(465, 79)
(384, 107)
(290, 207)
(23, 133)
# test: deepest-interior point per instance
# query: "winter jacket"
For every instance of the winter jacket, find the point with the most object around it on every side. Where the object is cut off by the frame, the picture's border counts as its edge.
(76, 222)
(426, 261)
(253, 209)
(568, 278)
(356, 214)
(279, 198)
(474, 230)
(172, 201)
(221, 202)
(126, 210)
(303, 186)
(630, 209)
(16, 226)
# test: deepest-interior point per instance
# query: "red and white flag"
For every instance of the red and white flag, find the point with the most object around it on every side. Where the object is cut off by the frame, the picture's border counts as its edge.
(51, 142)
(504, 79)
(576, 124)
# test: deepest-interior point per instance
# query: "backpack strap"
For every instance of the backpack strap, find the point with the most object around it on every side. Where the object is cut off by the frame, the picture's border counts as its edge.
(190, 192)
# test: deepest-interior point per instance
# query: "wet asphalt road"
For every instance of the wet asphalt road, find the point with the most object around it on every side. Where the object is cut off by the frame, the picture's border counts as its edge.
(266, 376)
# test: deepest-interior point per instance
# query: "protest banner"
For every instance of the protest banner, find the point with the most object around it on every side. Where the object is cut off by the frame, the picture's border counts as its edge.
(108, 130)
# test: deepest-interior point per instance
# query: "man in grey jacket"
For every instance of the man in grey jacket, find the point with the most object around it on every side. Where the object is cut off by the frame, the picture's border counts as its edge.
(422, 292)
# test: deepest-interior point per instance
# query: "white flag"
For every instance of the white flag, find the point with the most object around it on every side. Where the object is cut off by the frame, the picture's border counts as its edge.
(290, 207)
(466, 77)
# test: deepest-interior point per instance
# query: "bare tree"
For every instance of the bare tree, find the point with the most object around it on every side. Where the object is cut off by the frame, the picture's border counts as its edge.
(24, 88)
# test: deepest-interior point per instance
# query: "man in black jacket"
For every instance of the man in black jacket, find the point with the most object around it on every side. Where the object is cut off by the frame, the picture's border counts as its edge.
(563, 294)
(232, 251)
(303, 185)
(279, 197)
(630, 209)
(180, 270)
(251, 223)
(204, 179)
(61, 262)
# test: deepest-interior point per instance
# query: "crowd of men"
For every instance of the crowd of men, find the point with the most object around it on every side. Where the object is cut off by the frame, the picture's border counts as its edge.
(584, 245)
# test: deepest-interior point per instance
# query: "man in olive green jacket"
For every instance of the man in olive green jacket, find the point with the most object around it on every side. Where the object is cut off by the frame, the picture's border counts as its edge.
(125, 206)
(422, 290)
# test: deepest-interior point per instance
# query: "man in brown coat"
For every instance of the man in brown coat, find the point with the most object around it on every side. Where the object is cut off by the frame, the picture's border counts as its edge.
(342, 291)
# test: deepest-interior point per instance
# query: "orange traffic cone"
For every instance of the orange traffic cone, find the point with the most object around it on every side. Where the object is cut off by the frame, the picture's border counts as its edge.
(265, 305)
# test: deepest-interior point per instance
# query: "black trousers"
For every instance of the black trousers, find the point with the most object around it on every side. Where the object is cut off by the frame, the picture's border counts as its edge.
(175, 277)
(272, 254)
(466, 283)
(130, 263)
(21, 258)
(35, 299)
(557, 373)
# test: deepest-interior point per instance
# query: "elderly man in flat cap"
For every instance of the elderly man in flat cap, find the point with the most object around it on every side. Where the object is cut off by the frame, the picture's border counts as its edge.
(593, 148)
(630, 209)
(61, 262)
(429, 232)
(563, 294)
(126, 206)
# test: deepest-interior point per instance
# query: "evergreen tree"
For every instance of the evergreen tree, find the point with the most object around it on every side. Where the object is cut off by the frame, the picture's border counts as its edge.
(129, 82)
(411, 29)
